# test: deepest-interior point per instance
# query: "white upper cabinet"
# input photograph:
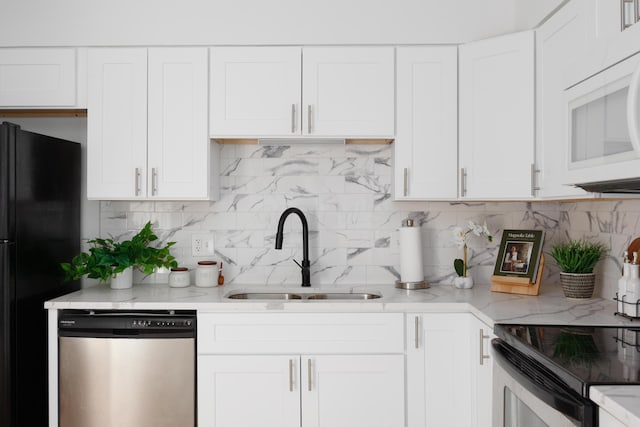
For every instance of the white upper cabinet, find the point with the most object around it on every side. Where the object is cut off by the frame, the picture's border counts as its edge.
(497, 117)
(147, 124)
(117, 123)
(348, 91)
(290, 91)
(178, 143)
(255, 91)
(426, 143)
(559, 41)
(38, 77)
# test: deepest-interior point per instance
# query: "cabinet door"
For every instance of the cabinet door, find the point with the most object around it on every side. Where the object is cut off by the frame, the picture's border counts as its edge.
(255, 91)
(178, 143)
(426, 144)
(348, 91)
(559, 41)
(439, 384)
(347, 391)
(38, 77)
(248, 391)
(117, 123)
(497, 117)
(482, 372)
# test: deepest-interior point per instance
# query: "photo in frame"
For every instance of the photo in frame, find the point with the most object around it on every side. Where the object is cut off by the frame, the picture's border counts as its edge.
(519, 254)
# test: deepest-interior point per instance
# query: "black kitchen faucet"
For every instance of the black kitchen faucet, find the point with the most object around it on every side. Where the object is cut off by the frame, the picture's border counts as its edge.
(305, 267)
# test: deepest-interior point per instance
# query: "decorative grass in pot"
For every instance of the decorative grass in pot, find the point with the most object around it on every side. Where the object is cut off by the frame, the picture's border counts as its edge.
(108, 259)
(577, 259)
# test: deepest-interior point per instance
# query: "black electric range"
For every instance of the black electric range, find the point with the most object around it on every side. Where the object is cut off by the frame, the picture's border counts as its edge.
(579, 356)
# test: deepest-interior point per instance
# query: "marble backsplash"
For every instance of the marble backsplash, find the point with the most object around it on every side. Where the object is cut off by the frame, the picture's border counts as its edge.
(345, 193)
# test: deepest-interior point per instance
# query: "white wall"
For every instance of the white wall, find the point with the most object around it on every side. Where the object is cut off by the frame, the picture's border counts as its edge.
(157, 22)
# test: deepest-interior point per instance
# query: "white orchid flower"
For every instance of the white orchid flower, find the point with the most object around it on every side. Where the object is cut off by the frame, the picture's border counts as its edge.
(459, 236)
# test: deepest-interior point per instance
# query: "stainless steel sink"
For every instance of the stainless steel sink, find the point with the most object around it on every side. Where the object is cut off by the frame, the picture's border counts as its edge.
(343, 296)
(263, 295)
(288, 295)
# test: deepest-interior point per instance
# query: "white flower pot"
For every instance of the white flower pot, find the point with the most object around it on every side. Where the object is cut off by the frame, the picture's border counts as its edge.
(463, 282)
(123, 280)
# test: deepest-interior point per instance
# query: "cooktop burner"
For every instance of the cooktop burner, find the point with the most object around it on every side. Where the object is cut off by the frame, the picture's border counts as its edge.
(581, 356)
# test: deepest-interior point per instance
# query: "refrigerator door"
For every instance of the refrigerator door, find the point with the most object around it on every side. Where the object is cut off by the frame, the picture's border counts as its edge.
(7, 173)
(7, 337)
(47, 206)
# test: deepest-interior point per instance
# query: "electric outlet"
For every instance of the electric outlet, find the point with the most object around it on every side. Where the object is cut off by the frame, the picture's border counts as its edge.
(202, 244)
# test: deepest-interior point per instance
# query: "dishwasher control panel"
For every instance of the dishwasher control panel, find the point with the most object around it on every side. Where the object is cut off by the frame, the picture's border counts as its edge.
(122, 323)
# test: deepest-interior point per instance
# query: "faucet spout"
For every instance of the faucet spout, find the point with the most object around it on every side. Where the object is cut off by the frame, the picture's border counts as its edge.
(306, 264)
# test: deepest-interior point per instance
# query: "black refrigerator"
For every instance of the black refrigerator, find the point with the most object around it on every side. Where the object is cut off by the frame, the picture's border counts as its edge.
(39, 229)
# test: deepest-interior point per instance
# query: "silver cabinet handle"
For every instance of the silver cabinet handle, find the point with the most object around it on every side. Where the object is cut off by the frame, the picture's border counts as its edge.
(293, 118)
(406, 182)
(417, 334)
(534, 174)
(290, 374)
(154, 181)
(637, 8)
(482, 338)
(463, 182)
(309, 374)
(628, 13)
(309, 117)
(138, 190)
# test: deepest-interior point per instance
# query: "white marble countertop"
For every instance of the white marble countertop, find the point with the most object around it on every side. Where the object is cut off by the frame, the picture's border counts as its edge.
(622, 402)
(550, 307)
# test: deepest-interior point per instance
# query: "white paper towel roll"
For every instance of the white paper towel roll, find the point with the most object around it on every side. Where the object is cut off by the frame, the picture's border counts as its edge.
(410, 255)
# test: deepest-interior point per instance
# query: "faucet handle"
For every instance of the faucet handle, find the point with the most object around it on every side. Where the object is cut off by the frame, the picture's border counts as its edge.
(297, 263)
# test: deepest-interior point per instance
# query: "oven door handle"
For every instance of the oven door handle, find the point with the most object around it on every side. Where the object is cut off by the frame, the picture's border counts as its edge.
(553, 393)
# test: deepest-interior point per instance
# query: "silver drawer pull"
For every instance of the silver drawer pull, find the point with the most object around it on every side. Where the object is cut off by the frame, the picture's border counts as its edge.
(309, 374)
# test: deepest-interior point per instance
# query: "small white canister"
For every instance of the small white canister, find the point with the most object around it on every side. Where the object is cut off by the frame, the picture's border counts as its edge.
(206, 274)
(179, 277)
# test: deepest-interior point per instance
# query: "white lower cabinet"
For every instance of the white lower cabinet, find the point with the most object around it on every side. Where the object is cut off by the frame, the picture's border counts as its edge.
(446, 384)
(482, 371)
(282, 390)
(285, 369)
(235, 391)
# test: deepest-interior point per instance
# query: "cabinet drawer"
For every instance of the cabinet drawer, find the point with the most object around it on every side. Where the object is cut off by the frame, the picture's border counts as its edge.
(317, 333)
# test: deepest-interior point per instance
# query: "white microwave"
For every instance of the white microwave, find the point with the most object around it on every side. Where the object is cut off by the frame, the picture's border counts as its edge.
(603, 124)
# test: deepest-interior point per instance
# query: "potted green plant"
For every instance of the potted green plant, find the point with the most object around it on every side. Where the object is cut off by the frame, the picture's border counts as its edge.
(577, 259)
(109, 259)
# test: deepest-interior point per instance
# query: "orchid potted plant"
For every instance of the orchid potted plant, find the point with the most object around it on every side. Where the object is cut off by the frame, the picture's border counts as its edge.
(461, 236)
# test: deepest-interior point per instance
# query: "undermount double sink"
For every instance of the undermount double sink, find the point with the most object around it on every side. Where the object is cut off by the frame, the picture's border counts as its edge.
(303, 294)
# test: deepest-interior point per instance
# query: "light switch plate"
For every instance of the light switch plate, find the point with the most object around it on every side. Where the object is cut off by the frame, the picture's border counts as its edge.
(202, 244)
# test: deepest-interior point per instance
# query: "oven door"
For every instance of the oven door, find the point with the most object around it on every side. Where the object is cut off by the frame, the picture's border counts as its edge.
(521, 401)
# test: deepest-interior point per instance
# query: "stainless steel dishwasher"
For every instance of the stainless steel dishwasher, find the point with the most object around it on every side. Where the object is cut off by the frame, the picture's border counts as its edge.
(127, 369)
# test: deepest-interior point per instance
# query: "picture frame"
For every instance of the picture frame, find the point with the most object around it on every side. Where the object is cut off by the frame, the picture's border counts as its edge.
(519, 254)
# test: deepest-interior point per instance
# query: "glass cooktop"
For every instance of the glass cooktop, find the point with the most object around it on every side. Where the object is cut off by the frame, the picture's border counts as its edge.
(581, 356)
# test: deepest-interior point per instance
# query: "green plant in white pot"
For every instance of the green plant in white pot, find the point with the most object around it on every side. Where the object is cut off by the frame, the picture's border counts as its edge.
(577, 259)
(108, 259)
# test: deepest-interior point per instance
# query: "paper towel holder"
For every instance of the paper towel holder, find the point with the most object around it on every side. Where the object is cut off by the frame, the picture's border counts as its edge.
(411, 285)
